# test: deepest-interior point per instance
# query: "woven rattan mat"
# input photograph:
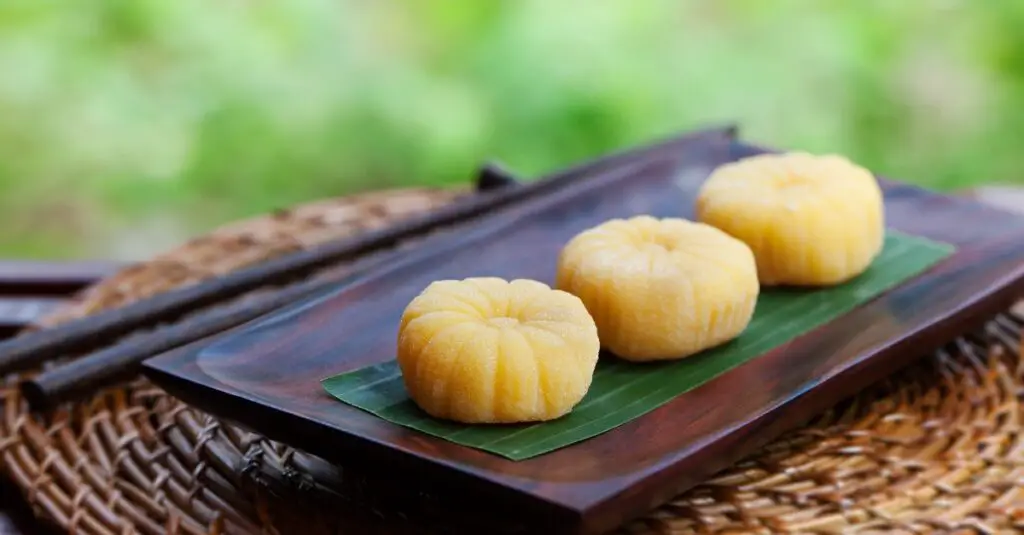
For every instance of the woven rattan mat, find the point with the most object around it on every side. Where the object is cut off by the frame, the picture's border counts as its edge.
(935, 449)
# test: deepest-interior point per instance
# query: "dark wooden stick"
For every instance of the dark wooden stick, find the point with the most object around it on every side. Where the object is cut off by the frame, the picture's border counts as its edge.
(493, 175)
(33, 349)
(121, 361)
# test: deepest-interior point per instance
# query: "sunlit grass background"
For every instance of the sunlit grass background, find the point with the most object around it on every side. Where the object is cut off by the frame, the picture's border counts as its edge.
(128, 125)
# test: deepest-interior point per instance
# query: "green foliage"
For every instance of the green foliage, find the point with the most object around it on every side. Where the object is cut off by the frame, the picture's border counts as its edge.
(120, 113)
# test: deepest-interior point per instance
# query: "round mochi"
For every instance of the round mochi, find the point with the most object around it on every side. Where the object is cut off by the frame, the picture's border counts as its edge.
(810, 220)
(661, 289)
(486, 350)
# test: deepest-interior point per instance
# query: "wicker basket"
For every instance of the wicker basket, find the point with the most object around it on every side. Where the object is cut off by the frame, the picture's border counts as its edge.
(935, 449)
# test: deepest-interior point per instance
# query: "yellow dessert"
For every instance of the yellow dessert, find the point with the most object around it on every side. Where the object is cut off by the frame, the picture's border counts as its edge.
(661, 289)
(810, 220)
(486, 350)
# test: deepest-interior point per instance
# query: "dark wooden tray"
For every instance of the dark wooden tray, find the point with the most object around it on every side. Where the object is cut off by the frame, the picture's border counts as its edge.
(266, 375)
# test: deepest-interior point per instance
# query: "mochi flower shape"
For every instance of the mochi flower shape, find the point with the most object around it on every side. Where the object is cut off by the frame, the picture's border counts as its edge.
(810, 220)
(661, 289)
(487, 350)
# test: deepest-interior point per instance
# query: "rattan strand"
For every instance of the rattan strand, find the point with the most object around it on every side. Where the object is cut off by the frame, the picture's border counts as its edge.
(935, 449)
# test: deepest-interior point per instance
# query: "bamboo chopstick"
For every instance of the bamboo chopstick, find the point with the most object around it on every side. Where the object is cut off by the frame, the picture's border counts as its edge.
(122, 359)
(33, 349)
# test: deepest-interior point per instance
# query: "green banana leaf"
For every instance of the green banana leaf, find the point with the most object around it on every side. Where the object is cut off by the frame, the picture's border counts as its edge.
(622, 391)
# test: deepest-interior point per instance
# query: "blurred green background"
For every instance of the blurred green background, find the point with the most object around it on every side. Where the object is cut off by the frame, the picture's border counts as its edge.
(128, 125)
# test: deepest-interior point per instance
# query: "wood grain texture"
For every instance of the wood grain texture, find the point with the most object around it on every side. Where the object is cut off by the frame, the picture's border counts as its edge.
(267, 378)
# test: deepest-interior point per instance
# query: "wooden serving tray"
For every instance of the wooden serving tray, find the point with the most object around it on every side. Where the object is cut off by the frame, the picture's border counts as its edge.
(266, 375)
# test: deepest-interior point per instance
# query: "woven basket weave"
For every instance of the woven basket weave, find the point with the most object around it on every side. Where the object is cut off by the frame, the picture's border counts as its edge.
(935, 449)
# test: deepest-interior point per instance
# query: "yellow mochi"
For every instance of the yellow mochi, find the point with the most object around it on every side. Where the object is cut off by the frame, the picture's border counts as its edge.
(810, 220)
(661, 289)
(486, 350)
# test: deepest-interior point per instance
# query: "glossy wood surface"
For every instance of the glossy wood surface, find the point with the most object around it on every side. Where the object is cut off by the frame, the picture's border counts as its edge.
(265, 375)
